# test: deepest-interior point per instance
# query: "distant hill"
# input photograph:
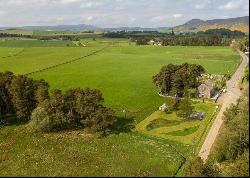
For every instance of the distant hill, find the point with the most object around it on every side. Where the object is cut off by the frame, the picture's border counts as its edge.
(83, 27)
(239, 23)
(80, 27)
(129, 29)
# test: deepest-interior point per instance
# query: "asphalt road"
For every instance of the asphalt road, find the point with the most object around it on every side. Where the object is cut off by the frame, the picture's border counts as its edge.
(226, 99)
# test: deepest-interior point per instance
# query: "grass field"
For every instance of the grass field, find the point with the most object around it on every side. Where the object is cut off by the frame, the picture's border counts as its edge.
(123, 72)
(33, 59)
(65, 32)
(23, 153)
(9, 52)
(27, 43)
(17, 31)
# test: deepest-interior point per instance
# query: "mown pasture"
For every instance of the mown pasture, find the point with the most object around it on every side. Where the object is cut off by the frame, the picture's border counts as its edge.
(17, 31)
(27, 43)
(123, 72)
(24, 153)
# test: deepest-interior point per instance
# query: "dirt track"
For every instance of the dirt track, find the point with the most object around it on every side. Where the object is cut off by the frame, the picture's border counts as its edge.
(226, 99)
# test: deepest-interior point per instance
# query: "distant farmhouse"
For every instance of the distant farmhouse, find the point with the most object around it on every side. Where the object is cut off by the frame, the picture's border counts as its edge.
(207, 89)
(155, 43)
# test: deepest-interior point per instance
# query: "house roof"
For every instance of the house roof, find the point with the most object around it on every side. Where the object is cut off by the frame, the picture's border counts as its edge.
(209, 84)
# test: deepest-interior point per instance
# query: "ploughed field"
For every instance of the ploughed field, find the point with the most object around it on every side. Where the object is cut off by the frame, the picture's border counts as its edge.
(159, 145)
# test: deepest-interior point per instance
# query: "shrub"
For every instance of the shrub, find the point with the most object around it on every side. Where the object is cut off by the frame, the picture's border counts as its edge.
(185, 108)
(40, 120)
(172, 104)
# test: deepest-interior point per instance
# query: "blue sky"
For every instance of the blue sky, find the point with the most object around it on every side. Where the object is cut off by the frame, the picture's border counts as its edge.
(116, 13)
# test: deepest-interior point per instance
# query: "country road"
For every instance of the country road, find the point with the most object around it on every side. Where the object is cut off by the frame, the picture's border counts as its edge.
(226, 99)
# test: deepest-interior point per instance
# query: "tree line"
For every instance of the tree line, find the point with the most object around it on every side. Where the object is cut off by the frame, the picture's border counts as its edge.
(135, 34)
(28, 100)
(241, 44)
(38, 37)
(196, 41)
(212, 37)
(222, 32)
(193, 40)
(8, 35)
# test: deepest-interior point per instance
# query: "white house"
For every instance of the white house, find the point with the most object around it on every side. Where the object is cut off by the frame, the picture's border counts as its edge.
(163, 107)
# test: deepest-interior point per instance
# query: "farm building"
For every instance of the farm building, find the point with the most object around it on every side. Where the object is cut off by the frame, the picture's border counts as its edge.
(155, 43)
(151, 42)
(206, 90)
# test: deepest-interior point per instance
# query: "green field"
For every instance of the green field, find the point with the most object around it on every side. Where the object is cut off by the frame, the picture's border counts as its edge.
(27, 43)
(33, 59)
(123, 72)
(23, 153)
(17, 31)
(65, 32)
(178, 129)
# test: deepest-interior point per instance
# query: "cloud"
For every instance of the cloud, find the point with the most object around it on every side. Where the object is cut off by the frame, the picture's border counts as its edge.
(233, 4)
(69, 1)
(90, 4)
(159, 18)
(2, 12)
(177, 16)
(144, 13)
(90, 18)
(203, 4)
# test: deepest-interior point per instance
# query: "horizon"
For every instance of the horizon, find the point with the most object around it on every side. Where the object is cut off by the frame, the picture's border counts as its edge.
(117, 13)
(114, 27)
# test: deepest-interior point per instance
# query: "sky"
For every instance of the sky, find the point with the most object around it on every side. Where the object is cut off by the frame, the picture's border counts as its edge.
(116, 13)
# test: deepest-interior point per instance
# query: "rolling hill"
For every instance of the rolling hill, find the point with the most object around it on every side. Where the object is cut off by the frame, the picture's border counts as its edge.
(239, 23)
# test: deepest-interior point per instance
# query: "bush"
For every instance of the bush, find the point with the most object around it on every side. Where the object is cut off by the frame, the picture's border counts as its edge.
(172, 104)
(192, 92)
(185, 108)
(40, 121)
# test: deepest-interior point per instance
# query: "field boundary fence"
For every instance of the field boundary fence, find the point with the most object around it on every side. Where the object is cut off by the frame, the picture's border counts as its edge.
(66, 62)
(16, 54)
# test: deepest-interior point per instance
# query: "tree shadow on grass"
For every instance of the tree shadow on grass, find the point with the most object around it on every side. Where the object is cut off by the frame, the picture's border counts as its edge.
(123, 125)
(12, 120)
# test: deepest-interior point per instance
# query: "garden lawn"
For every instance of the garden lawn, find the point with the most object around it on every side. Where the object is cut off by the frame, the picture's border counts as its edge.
(187, 131)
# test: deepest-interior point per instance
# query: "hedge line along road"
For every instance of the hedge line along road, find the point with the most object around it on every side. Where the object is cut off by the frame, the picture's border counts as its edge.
(226, 99)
